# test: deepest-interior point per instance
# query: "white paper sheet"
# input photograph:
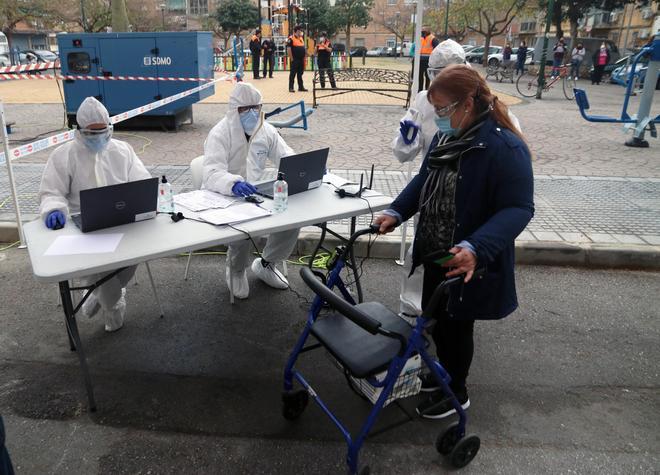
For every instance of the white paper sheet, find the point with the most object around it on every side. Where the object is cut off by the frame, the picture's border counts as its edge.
(200, 200)
(234, 214)
(84, 244)
(335, 180)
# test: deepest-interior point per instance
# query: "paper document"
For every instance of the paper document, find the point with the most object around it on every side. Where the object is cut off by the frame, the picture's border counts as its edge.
(200, 200)
(84, 244)
(234, 214)
(336, 180)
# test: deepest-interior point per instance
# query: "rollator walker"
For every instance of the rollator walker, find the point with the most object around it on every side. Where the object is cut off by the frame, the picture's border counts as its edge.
(369, 340)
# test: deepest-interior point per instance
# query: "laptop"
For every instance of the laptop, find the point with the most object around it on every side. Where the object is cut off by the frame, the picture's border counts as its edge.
(302, 172)
(114, 205)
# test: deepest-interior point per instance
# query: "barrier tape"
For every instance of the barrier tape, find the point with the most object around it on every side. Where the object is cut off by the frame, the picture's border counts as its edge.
(10, 77)
(30, 67)
(63, 137)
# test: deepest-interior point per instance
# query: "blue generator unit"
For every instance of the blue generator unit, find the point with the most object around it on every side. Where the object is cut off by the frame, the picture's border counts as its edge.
(163, 55)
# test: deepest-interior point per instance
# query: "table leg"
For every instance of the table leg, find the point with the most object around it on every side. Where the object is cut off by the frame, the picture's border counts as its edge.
(74, 337)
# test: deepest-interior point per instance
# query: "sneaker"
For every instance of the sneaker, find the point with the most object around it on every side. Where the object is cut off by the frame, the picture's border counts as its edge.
(269, 274)
(439, 406)
(292, 90)
(114, 318)
(91, 306)
(303, 90)
(241, 286)
(429, 383)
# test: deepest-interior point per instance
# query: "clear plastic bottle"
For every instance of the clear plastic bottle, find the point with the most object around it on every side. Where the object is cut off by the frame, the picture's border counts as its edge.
(280, 194)
(165, 197)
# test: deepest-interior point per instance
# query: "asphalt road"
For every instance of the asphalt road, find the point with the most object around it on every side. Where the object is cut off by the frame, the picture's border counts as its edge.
(569, 384)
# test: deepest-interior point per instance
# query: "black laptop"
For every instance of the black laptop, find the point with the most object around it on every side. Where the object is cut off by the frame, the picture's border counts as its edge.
(302, 172)
(114, 205)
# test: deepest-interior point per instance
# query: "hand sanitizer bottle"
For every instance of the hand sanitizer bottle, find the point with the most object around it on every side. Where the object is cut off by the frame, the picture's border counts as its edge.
(280, 194)
(165, 197)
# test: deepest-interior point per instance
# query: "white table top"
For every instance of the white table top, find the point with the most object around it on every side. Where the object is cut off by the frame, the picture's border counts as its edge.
(160, 237)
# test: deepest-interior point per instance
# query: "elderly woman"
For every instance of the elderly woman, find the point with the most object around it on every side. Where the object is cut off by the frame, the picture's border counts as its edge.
(474, 192)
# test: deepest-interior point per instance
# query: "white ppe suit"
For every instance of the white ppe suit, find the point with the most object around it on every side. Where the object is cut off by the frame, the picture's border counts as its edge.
(74, 167)
(230, 157)
(422, 113)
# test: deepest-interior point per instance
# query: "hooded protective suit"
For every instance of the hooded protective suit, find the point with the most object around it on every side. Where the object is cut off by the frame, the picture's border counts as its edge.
(75, 166)
(421, 113)
(229, 156)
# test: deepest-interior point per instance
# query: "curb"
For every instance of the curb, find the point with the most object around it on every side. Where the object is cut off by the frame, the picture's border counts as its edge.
(590, 255)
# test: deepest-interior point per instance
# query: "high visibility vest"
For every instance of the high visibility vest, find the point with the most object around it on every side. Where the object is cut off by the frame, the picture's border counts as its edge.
(427, 45)
(295, 41)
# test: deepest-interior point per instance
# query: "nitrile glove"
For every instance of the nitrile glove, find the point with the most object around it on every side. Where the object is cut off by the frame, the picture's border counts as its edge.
(243, 188)
(408, 131)
(55, 220)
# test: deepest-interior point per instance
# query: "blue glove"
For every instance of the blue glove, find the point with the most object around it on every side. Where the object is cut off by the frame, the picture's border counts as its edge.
(243, 188)
(55, 220)
(408, 131)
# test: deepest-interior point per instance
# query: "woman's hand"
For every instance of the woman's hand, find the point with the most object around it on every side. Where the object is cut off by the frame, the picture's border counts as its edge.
(463, 262)
(386, 223)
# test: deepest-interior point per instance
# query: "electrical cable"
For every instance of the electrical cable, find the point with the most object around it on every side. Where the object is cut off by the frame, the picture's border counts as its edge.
(144, 147)
(10, 246)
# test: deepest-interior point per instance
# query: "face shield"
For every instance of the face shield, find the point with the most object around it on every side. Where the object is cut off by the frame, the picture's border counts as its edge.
(96, 139)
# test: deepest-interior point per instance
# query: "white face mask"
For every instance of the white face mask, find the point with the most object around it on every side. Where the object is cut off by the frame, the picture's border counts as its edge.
(322, 39)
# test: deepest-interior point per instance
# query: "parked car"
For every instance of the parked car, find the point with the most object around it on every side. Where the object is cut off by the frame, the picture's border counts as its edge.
(42, 56)
(379, 51)
(621, 73)
(358, 51)
(476, 55)
(590, 44)
(390, 51)
(341, 47)
(4, 60)
(495, 59)
(468, 48)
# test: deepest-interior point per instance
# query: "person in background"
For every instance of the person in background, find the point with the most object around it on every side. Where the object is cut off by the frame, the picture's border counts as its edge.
(324, 60)
(558, 53)
(427, 43)
(236, 152)
(295, 47)
(474, 192)
(91, 160)
(6, 467)
(577, 56)
(255, 49)
(521, 57)
(601, 58)
(268, 47)
(507, 52)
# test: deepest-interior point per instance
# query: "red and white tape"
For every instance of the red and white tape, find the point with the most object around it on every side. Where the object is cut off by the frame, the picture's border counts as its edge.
(30, 67)
(59, 139)
(61, 77)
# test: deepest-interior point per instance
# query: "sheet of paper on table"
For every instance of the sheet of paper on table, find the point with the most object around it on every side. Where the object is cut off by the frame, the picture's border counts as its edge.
(234, 214)
(199, 200)
(336, 180)
(69, 245)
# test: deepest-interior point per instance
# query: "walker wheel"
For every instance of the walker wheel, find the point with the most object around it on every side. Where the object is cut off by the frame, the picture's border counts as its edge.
(446, 441)
(464, 451)
(294, 404)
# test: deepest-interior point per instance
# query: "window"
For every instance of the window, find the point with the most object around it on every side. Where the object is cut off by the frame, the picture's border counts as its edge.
(528, 26)
(79, 63)
(391, 42)
(199, 7)
(358, 42)
(391, 2)
(176, 5)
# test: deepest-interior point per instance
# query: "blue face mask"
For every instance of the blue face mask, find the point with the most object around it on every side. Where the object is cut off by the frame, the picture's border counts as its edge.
(97, 143)
(444, 125)
(249, 120)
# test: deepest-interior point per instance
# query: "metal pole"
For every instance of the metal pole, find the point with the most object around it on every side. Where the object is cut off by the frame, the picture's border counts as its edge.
(632, 12)
(447, 20)
(10, 174)
(419, 19)
(544, 52)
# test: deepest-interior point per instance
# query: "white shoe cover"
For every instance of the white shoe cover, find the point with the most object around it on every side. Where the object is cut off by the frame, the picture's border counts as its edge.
(270, 275)
(241, 286)
(114, 318)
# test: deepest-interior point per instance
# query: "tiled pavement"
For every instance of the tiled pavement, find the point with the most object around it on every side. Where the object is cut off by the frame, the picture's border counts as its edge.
(601, 210)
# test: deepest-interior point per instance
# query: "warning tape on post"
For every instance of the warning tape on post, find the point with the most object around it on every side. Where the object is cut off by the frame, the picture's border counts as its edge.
(63, 137)
(30, 67)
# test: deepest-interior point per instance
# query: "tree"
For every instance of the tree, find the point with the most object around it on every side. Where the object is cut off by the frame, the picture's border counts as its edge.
(457, 26)
(211, 24)
(13, 12)
(398, 22)
(489, 17)
(119, 15)
(320, 17)
(352, 13)
(234, 16)
(97, 14)
(141, 19)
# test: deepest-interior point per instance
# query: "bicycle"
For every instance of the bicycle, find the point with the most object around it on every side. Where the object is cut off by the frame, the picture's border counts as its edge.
(501, 70)
(527, 83)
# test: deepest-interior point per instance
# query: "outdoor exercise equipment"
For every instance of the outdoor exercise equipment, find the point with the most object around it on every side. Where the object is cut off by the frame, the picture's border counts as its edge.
(290, 122)
(642, 121)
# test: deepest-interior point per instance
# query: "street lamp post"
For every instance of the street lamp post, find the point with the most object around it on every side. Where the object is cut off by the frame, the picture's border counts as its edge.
(162, 12)
(82, 15)
(447, 20)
